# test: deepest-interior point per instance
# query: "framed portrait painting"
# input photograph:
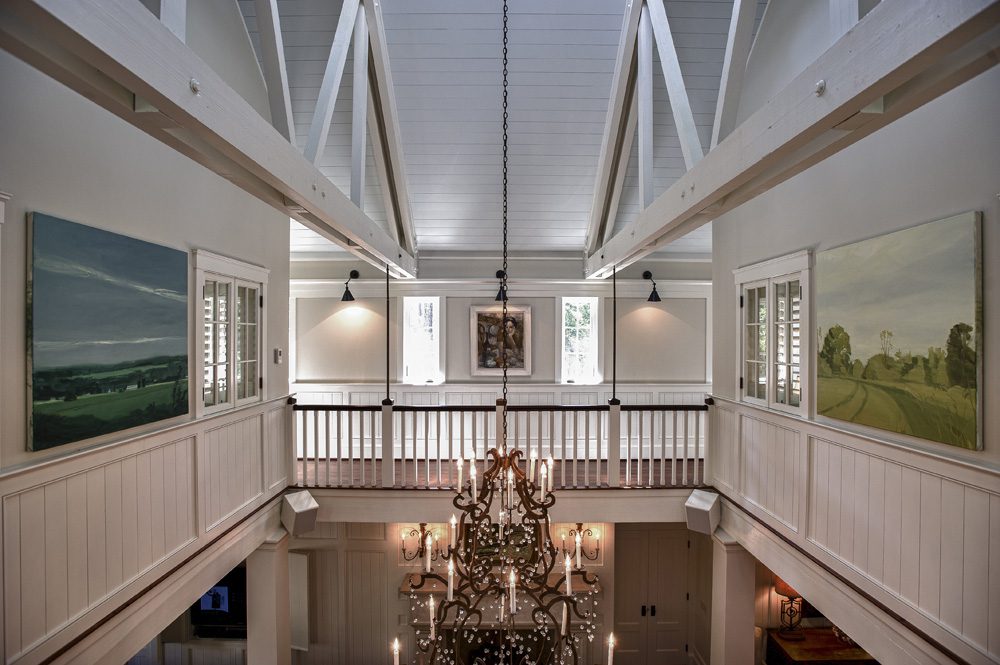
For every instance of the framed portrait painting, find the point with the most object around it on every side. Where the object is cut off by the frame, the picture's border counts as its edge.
(492, 338)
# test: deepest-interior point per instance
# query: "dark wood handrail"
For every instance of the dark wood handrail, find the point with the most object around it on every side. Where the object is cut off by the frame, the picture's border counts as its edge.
(513, 408)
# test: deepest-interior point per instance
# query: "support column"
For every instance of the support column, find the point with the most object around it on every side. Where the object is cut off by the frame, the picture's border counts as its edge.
(269, 640)
(733, 575)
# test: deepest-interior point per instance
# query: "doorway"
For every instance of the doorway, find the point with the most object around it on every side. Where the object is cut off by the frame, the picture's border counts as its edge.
(651, 594)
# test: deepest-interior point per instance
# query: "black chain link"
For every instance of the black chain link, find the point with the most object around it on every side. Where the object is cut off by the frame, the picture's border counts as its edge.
(503, 278)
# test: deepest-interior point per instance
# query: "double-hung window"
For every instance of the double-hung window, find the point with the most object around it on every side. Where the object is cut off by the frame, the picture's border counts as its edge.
(773, 357)
(580, 349)
(422, 340)
(231, 330)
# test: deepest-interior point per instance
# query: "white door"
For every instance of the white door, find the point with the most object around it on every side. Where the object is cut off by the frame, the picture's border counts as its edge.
(651, 613)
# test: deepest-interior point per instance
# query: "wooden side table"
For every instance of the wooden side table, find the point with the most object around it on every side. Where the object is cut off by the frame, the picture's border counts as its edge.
(819, 646)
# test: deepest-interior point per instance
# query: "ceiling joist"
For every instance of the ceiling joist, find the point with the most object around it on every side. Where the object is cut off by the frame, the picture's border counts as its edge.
(615, 138)
(113, 51)
(933, 50)
(734, 66)
(319, 129)
(384, 98)
(272, 56)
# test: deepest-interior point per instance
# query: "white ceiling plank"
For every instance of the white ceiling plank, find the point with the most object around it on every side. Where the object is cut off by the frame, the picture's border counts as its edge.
(336, 60)
(384, 94)
(644, 94)
(622, 84)
(844, 14)
(929, 53)
(734, 67)
(359, 111)
(679, 103)
(272, 55)
(117, 45)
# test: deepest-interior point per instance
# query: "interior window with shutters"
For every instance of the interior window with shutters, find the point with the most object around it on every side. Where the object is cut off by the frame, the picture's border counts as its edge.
(215, 315)
(787, 342)
(579, 341)
(246, 341)
(774, 356)
(233, 331)
(755, 342)
(422, 340)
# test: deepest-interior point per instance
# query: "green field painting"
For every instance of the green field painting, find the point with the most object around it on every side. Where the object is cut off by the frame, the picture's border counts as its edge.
(107, 332)
(899, 332)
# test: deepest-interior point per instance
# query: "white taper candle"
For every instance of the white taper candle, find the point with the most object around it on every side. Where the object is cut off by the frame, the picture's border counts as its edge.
(430, 608)
(428, 541)
(454, 532)
(451, 580)
(569, 577)
(395, 651)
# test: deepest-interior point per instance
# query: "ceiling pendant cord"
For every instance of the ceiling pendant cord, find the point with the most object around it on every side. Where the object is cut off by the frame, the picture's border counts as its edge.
(503, 278)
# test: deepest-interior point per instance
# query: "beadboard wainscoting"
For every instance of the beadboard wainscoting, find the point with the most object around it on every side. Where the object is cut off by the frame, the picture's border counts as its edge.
(917, 531)
(85, 533)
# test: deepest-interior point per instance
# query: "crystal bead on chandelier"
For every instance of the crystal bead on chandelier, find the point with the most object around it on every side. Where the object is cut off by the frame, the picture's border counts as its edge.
(508, 595)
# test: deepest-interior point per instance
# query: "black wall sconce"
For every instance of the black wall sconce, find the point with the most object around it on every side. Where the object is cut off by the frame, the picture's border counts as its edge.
(502, 293)
(348, 296)
(653, 295)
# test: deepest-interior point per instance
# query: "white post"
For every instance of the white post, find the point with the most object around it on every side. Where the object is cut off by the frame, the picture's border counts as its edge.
(614, 443)
(292, 428)
(388, 446)
(733, 582)
(269, 639)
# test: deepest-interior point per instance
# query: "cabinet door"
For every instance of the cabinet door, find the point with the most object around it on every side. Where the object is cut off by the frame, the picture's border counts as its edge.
(631, 564)
(667, 624)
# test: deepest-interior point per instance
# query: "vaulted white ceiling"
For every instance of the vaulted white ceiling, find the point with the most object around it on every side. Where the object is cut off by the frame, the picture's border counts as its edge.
(446, 68)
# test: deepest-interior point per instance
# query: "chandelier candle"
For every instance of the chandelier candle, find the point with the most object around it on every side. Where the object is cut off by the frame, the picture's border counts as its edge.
(513, 593)
(430, 609)
(552, 474)
(472, 477)
(569, 577)
(395, 651)
(611, 649)
(451, 580)
(579, 548)
(531, 465)
(454, 532)
(428, 541)
(544, 473)
(460, 466)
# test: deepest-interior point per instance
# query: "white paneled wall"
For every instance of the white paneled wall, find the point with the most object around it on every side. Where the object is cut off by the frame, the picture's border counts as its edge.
(85, 533)
(919, 533)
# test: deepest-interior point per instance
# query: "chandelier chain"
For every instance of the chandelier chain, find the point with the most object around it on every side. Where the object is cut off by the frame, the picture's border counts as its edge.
(503, 278)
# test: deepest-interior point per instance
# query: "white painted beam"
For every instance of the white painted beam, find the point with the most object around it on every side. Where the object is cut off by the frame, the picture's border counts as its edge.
(844, 14)
(734, 66)
(621, 168)
(908, 57)
(112, 50)
(622, 85)
(680, 105)
(272, 55)
(359, 111)
(384, 96)
(173, 13)
(382, 169)
(319, 129)
(644, 109)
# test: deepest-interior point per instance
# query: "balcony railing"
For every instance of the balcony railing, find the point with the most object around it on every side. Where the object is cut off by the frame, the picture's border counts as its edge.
(592, 446)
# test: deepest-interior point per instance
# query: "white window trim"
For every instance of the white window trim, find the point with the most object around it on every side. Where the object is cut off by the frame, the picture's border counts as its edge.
(769, 272)
(239, 273)
(596, 317)
(442, 346)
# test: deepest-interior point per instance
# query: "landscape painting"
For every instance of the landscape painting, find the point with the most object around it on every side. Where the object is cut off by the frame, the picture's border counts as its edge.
(900, 330)
(492, 337)
(107, 332)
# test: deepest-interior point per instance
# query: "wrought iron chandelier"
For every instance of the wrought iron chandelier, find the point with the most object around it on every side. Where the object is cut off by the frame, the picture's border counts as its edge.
(503, 591)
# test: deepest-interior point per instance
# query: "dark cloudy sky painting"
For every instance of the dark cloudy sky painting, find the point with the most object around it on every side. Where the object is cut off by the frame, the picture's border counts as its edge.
(100, 297)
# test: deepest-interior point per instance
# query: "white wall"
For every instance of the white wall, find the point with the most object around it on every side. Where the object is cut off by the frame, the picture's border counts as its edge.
(69, 158)
(906, 521)
(940, 160)
(658, 343)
